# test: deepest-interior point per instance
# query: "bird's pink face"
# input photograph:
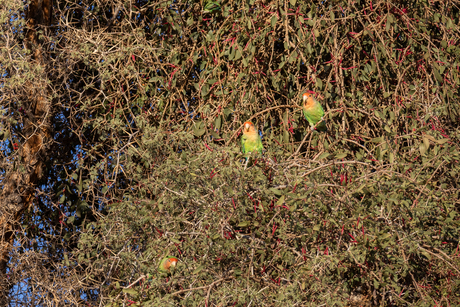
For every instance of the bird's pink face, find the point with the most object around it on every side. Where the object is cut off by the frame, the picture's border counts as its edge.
(171, 262)
(305, 96)
(308, 99)
(248, 126)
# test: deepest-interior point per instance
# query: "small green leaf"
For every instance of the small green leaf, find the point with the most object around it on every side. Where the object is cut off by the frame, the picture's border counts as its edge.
(442, 141)
(319, 83)
(426, 142)
(210, 36)
(231, 56)
(130, 291)
(273, 21)
(215, 135)
(285, 136)
(422, 149)
(280, 201)
(276, 191)
(70, 220)
(238, 54)
(437, 75)
(218, 122)
(341, 155)
(323, 156)
(198, 270)
(361, 187)
(426, 254)
(199, 128)
(285, 117)
(205, 90)
(387, 129)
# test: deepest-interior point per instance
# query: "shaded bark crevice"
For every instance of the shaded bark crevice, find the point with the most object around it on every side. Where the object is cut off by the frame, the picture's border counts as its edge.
(18, 187)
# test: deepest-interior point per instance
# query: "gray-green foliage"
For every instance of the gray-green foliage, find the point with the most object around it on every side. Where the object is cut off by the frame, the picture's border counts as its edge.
(268, 232)
(146, 159)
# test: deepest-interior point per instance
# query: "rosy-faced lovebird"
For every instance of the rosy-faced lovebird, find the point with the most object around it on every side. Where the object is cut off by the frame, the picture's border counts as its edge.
(313, 112)
(211, 7)
(250, 141)
(167, 263)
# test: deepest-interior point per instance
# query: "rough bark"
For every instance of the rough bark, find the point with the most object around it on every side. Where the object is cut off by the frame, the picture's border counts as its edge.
(18, 186)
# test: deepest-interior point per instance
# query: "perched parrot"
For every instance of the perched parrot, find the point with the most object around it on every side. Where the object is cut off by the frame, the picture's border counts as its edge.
(167, 263)
(250, 141)
(211, 7)
(313, 112)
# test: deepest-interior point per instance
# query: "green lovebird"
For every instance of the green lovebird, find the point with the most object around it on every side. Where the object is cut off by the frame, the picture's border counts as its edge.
(313, 112)
(250, 141)
(167, 263)
(211, 7)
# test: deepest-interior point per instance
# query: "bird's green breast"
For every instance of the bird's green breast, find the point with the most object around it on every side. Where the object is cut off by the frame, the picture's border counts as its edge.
(251, 143)
(314, 113)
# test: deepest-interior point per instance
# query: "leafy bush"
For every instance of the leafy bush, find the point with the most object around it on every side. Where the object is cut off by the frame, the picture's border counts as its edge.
(149, 101)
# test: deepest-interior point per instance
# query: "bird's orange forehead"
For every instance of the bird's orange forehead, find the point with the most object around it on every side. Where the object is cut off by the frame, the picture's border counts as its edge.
(308, 100)
(306, 95)
(248, 125)
(171, 262)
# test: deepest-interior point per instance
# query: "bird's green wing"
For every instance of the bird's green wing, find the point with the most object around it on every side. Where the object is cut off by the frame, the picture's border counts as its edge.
(314, 115)
(322, 126)
(211, 7)
(161, 268)
(320, 110)
(248, 145)
(243, 144)
(259, 146)
(308, 118)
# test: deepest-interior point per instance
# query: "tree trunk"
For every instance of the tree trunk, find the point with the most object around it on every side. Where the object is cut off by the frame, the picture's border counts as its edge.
(18, 186)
